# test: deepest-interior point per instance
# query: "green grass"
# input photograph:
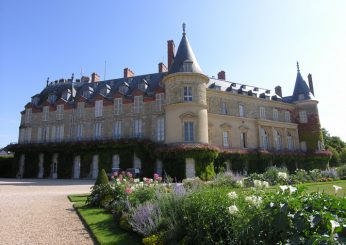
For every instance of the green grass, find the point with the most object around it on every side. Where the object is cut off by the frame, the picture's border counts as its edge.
(101, 225)
(326, 187)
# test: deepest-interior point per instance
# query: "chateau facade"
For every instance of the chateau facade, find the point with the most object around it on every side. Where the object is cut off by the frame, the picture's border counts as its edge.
(177, 106)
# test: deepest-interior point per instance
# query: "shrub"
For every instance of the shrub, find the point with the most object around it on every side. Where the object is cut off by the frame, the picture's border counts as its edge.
(341, 171)
(102, 178)
(226, 179)
(152, 240)
(124, 223)
(275, 175)
(145, 219)
(343, 156)
(101, 195)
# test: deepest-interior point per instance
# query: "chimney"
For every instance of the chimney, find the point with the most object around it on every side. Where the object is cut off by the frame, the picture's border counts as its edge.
(221, 75)
(311, 85)
(128, 73)
(95, 77)
(162, 68)
(171, 52)
(278, 91)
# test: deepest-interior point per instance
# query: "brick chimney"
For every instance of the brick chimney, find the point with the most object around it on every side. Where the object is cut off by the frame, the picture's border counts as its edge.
(95, 77)
(128, 73)
(278, 91)
(311, 84)
(162, 68)
(171, 52)
(221, 75)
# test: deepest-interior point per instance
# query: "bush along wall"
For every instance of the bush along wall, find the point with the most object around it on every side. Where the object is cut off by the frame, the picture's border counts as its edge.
(173, 159)
(7, 168)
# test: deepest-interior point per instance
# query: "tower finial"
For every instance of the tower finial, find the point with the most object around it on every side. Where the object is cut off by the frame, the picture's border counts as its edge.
(298, 67)
(47, 82)
(184, 27)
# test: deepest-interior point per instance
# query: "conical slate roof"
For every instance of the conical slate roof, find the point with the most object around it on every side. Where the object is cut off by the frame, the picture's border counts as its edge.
(185, 56)
(301, 88)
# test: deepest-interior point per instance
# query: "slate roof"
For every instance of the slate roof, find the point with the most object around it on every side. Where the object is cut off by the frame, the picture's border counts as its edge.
(184, 54)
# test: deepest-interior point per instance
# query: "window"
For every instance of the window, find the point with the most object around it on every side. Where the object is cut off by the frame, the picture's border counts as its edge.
(137, 104)
(160, 129)
(59, 112)
(98, 130)
(142, 85)
(123, 89)
(241, 110)
(117, 129)
(59, 134)
(243, 140)
(98, 108)
(80, 110)
(303, 117)
(290, 143)
(300, 96)
(287, 116)
(187, 93)
(303, 146)
(137, 125)
(39, 134)
(224, 110)
(86, 94)
(79, 131)
(45, 113)
(53, 133)
(187, 66)
(264, 139)
(277, 140)
(28, 113)
(225, 137)
(21, 135)
(275, 115)
(118, 106)
(188, 132)
(159, 101)
(320, 146)
(28, 135)
(262, 112)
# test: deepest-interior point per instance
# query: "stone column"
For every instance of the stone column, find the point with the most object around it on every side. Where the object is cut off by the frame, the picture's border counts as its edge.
(190, 170)
(137, 162)
(158, 167)
(21, 166)
(54, 169)
(115, 161)
(95, 167)
(40, 166)
(76, 167)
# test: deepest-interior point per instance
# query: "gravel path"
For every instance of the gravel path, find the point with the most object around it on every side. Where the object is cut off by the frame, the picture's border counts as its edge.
(38, 212)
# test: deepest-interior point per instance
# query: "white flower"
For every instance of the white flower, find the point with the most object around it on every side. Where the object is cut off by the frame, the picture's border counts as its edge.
(232, 195)
(292, 189)
(233, 209)
(260, 184)
(265, 184)
(337, 188)
(271, 204)
(281, 205)
(240, 183)
(144, 179)
(254, 200)
(283, 187)
(334, 224)
(136, 180)
(282, 175)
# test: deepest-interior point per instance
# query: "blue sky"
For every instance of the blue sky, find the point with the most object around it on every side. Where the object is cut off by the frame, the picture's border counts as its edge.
(255, 42)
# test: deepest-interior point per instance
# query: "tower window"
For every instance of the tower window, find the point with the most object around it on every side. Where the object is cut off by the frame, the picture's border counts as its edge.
(187, 93)
(303, 117)
(160, 129)
(188, 132)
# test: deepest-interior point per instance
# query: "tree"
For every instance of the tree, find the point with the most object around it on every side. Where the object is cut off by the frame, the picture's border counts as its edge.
(343, 156)
(332, 141)
(102, 178)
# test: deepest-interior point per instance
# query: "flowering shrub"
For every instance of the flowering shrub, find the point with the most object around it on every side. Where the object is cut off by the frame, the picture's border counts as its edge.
(101, 195)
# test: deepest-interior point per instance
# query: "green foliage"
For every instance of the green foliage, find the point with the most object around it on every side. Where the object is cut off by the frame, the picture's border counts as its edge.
(343, 156)
(224, 180)
(102, 178)
(152, 240)
(341, 171)
(332, 141)
(101, 196)
(335, 159)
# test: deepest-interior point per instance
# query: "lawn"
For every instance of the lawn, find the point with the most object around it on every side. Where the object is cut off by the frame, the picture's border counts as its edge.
(327, 187)
(101, 224)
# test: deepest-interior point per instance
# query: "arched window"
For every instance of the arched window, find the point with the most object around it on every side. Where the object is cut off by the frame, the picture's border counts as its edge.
(264, 139)
(277, 140)
(290, 143)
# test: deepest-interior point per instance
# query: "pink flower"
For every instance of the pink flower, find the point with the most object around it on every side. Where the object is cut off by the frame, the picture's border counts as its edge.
(129, 174)
(112, 177)
(128, 191)
(115, 174)
(156, 176)
(159, 179)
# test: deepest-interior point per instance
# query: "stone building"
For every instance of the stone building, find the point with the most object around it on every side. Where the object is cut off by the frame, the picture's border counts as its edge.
(178, 105)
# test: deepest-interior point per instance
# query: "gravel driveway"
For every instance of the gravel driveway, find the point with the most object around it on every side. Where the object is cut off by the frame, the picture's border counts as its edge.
(38, 212)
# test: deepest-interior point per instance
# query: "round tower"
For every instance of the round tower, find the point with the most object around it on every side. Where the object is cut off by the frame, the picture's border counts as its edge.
(307, 117)
(186, 99)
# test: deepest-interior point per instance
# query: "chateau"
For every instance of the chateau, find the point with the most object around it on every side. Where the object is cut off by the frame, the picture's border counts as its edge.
(74, 127)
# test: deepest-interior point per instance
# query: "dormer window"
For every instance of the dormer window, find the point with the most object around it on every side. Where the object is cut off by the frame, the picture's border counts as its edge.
(87, 92)
(300, 96)
(143, 85)
(52, 98)
(35, 100)
(187, 66)
(187, 93)
(105, 90)
(124, 88)
(66, 95)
